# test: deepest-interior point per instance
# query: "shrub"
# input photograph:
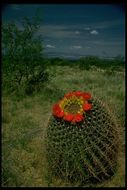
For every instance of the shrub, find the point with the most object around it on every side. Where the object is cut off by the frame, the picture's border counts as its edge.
(22, 54)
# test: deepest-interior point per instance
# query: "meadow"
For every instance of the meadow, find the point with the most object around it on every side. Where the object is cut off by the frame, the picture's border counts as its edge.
(25, 118)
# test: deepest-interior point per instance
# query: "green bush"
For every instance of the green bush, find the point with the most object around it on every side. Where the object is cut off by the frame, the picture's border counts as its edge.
(22, 49)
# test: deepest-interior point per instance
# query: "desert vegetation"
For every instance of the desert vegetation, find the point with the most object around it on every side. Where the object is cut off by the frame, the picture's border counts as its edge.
(31, 84)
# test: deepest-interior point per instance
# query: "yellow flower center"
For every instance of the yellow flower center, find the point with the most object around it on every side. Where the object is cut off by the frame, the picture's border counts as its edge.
(72, 108)
(72, 105)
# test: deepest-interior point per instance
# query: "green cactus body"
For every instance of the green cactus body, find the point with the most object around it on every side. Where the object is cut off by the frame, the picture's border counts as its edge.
(84, 152)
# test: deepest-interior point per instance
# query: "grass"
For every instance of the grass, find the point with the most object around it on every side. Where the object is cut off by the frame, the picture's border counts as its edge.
(24, 122)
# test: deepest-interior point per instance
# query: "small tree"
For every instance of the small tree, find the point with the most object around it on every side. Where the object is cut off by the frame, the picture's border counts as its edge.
(22, 53)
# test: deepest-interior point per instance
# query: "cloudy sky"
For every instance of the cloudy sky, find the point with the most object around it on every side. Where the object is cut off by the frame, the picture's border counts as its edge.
(75, 30)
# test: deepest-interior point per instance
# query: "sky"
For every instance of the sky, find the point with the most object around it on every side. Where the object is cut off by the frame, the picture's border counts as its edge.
(75, 30)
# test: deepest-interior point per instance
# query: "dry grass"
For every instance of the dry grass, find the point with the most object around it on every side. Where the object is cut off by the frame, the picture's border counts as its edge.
(24, 125)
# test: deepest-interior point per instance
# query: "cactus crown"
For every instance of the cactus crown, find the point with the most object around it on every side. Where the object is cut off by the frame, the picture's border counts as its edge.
(73, 106)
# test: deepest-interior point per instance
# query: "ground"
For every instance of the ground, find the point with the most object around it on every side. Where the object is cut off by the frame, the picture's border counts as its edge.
(24, 123)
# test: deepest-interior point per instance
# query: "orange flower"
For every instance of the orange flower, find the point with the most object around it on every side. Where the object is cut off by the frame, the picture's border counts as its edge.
(68, 117)
(57, 111)
(77, 118)
(87, 107)
(68, 95)
(86, 95)
(74, 100)
(77, 93)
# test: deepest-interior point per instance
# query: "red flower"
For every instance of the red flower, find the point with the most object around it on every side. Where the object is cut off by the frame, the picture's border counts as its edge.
(87, 107)
(69, 95)
(86, 95)
(57, 111)
(68, 117)
(78, 118)
(77, 93)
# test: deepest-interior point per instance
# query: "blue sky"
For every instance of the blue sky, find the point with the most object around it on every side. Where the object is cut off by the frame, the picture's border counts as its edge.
(75, 30)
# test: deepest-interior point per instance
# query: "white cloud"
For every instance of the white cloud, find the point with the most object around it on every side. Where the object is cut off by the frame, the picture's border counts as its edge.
(108, 24)
(94, 32)
(76, 47)
(113, 42)
(55, 31)
(87, 28)
(77, 32)
(50, 46)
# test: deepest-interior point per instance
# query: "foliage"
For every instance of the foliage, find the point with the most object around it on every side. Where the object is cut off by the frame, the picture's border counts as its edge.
(89, 61)
(22, 54)
(86, 63)
(24, 124)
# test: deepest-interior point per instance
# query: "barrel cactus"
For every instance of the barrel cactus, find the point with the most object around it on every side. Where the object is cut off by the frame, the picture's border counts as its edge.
(82, 140)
